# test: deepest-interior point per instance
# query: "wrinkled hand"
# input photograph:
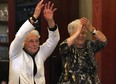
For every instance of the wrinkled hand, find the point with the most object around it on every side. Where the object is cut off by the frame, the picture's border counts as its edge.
(38, 9)
(85, 22)
(80, 25)
(49, 11)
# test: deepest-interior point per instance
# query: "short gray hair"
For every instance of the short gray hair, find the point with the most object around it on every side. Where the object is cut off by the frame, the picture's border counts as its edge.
(35, 32)
(73, 25)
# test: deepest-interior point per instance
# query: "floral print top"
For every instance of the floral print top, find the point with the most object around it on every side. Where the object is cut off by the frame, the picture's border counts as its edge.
(79, 64)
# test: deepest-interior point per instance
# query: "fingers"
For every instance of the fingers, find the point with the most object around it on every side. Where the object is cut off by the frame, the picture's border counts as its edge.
(40, 4)
(38, 9)
(45, 7)
(49, 6)
(54, 9)
(84, 21)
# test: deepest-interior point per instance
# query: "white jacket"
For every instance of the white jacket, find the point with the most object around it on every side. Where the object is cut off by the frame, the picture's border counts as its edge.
(21, 64)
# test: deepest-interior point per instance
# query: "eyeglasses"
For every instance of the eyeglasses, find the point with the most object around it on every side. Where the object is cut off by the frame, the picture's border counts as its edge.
(33, 41)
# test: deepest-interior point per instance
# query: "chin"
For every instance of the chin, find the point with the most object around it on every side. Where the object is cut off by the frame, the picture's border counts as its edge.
(81, 43)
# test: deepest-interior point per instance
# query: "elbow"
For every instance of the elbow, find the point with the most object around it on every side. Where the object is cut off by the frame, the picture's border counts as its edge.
(57, 38)
(104, 39)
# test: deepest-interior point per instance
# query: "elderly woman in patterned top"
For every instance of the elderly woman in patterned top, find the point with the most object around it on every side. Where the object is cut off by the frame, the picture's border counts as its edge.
(78, 53)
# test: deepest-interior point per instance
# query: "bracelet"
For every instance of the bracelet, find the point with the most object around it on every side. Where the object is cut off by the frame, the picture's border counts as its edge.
(94, 32)
(54, 28)
(32, 18)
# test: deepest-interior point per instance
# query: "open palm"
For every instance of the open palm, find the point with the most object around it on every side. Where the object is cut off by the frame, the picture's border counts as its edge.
(49, 11)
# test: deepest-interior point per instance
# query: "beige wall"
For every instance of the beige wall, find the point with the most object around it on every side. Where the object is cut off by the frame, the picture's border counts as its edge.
(85, 10)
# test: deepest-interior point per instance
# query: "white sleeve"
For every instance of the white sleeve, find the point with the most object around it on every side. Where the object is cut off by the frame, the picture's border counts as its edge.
(17, 44)
(50, 44)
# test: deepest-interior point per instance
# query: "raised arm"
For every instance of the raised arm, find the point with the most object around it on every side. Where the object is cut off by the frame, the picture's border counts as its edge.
(27, 27)
(95, 32)
(38, 9)
(37, 12)
(49, 13)
(74, 34)
(53, 32)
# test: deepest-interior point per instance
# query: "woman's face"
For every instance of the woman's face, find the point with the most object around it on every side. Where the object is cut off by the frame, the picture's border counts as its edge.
(32, 43)
(81, 38)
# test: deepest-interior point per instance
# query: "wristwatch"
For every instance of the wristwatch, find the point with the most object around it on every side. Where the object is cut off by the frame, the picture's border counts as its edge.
(94, 32)
(33, 20)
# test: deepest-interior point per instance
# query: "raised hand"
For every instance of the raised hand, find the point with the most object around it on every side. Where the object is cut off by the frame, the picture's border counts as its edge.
(85, 22)
(38, 9)
(49, 12)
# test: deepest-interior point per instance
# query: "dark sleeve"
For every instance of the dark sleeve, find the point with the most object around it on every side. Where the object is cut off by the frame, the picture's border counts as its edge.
(63, 48)
(54, 28)
(98, 45)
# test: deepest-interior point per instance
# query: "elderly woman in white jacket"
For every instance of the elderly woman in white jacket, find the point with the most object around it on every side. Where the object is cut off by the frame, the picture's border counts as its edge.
(26, 55)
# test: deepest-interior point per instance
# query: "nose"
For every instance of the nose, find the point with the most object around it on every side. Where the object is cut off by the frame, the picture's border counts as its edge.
(35, 42)
(80, 35)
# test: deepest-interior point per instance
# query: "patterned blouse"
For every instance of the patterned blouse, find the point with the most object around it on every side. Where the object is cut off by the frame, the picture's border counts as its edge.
(79, 64)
